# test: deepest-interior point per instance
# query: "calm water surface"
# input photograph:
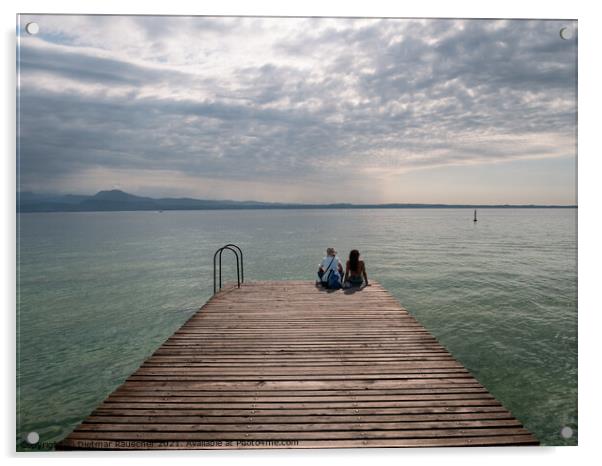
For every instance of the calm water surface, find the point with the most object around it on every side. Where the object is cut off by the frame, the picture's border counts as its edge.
(99, 292)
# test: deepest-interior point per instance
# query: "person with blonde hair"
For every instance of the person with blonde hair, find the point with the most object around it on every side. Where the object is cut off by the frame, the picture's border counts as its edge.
(331, 264)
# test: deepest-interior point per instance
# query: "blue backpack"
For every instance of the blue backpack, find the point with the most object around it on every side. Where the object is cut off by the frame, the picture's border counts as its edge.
(334, 280)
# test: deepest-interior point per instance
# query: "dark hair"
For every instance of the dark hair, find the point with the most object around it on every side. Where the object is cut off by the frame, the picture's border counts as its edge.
(354, 260)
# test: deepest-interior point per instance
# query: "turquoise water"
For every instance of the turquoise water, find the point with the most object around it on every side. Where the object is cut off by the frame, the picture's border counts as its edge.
(99, 292)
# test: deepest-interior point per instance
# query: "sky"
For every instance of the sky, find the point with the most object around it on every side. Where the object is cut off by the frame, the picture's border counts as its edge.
(299, 109)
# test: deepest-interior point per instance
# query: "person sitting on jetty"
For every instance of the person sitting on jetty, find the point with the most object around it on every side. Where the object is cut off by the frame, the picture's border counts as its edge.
(355, 271)
(331, 264)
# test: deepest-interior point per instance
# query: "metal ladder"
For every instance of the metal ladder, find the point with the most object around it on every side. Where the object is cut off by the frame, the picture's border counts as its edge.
(240, 270)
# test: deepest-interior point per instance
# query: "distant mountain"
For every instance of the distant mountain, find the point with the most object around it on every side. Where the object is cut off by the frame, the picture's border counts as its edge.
(115, 195)
(117, 200)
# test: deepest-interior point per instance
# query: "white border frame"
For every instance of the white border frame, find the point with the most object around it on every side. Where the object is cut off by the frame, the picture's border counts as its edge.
(589, 232)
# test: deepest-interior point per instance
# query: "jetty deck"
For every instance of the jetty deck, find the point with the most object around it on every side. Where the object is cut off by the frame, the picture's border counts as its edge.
(289, 365)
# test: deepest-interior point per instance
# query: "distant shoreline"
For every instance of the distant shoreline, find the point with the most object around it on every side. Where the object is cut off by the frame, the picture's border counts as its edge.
(298, 207)
(119, 201)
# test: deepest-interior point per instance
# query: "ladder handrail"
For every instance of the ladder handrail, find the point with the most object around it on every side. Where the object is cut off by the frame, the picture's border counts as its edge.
(242, 267)
(220, 265)
(239, 265)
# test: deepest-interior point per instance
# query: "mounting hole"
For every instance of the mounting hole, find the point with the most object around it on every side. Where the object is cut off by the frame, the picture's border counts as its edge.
(32, 438)
(32, 28)
(566, 33)
(566, 432)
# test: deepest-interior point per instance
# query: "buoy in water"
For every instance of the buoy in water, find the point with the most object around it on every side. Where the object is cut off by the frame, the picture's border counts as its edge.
(475, 215)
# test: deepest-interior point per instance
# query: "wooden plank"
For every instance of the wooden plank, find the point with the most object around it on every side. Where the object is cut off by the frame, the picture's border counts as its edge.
(296, 427)
(315, 394)
(292, 405)
(271, 385)
(257, 412)
(401, 418)
(172, 398)
(311, 435)
(289, 365)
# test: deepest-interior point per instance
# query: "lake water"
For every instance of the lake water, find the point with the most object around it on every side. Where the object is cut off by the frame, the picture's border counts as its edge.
(99, 292)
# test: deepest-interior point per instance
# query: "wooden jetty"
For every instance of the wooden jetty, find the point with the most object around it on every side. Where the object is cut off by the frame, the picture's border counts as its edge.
(289, 365)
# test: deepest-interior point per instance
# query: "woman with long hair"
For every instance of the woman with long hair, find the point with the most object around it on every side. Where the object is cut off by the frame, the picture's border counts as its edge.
(355, 271)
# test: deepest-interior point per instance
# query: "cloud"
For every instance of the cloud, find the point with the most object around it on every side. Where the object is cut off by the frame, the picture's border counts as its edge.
(297, 101)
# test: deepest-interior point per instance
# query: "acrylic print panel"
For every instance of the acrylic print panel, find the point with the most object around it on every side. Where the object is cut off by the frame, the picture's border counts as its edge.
(443, 150)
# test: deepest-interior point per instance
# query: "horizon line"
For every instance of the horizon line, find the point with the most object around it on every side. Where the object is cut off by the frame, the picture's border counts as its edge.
(301, 204)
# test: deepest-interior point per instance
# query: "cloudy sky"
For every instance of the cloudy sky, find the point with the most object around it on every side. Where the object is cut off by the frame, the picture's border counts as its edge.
(299, 110)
